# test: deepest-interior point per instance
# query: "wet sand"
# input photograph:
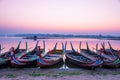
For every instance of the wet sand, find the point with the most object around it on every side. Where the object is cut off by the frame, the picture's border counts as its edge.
(59, 74)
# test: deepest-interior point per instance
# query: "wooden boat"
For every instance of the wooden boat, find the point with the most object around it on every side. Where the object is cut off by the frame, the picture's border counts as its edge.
(115, 52)
(81, 60)
(4, 61)
(91, 54)
(1, 53)
(110, 59)
(31, 52)
(51, 58)
(1, 49)
(5, 57)
(17, 50)
(25, 59)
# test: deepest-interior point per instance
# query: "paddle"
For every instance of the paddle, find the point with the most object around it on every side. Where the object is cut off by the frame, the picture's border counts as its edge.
(103, 46)
(31, 47)
(98, 53)
(72, 47)
(65, 46)
(64, 52)
(112, 54)
(88, 49)
(86, 55)
(18, 46)
(55, 46)
(80, 45)
(63, 49)
(36, 45)
(26, 46)
(110, 46)
(43, 47)
(87, 46)
(97, 46)
(0, 47)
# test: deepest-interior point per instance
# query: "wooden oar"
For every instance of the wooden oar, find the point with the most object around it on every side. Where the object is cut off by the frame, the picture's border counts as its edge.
(72, 47)
(87, 46)
(103, 46)
(64, 50)
(102, 53)
(31, 47)
(36, 45)
(0, 47)
(110, 46)
(64, 47)
(44, 50)
(64, 53)
(86, 55)
(80, 45)
(44, 45)
(55, 46)
(112, 53)
(88, 49)
(18, 46)
(96, 49)
(26, 46)
(97, 46)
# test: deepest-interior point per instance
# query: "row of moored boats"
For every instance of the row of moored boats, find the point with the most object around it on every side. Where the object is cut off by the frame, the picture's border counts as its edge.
(39, 57)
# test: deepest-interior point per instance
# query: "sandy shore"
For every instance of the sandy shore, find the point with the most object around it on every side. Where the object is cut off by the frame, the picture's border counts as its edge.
(59, 74)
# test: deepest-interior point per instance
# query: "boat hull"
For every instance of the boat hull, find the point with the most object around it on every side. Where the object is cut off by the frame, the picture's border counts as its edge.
(80, 63)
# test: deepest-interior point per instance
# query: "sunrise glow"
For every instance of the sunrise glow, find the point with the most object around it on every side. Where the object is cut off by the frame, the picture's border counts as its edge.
(60, 16)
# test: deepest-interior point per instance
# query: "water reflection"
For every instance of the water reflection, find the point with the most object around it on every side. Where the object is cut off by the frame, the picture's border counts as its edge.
(13, 41)
(8, 42)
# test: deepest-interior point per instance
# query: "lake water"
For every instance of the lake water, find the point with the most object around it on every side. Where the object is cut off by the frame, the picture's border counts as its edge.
(8, 42)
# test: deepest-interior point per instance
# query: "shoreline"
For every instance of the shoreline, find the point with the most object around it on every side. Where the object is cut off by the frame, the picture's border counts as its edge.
(59, 74)
(75, 37)
(117, 39)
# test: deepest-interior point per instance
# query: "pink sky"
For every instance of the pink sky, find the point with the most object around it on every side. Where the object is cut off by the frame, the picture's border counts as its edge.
(60, 16)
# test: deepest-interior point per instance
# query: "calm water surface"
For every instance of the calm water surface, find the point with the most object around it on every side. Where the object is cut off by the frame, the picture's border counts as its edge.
(8, 42)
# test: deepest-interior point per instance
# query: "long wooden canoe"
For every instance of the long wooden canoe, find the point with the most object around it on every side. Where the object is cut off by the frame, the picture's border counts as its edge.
(25, 59)
(110, 58)
(51, 58)
(5, 57)
(81, 60)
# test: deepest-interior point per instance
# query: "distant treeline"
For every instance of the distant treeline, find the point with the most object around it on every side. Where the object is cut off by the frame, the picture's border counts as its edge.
(30, 36)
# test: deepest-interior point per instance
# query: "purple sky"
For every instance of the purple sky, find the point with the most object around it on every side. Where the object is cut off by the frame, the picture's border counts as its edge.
(60, 16)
